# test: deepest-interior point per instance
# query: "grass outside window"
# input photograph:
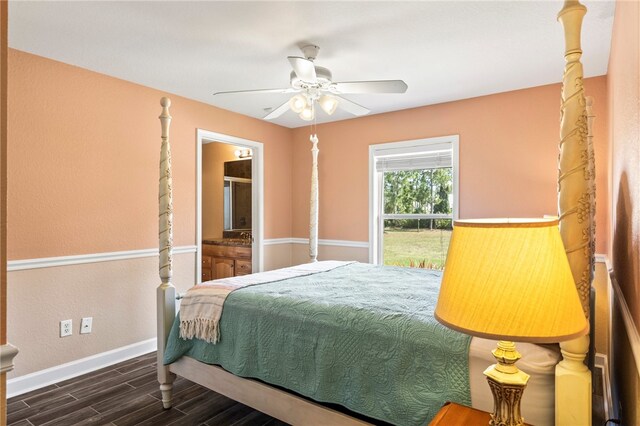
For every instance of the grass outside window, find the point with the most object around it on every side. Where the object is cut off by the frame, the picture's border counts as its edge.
(425, 248)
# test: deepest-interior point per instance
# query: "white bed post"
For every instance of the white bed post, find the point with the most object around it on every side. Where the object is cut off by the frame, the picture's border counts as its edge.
(592, 181)
(573, 378)
(166, 293)
(313, 203)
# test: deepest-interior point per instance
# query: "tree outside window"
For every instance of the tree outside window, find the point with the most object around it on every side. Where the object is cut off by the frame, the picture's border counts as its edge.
(414, 241)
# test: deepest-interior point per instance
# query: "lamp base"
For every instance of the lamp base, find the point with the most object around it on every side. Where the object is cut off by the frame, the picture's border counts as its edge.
(507, 385)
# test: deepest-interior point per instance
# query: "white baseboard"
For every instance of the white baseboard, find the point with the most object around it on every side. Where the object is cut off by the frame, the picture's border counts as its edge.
(46, 377)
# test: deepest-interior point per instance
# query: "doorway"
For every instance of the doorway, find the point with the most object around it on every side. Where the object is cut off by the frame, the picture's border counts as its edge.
(234, 210)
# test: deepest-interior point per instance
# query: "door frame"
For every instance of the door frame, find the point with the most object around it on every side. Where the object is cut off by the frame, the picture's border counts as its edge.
(257, 198)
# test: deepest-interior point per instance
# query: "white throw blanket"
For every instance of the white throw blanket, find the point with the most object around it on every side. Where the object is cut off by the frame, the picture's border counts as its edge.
(201, 307)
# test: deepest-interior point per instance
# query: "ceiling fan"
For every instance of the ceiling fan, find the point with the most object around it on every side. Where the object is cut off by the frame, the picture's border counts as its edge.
(313, 84)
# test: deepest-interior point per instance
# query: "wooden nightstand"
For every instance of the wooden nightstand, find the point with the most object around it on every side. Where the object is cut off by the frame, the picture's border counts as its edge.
(452, 414)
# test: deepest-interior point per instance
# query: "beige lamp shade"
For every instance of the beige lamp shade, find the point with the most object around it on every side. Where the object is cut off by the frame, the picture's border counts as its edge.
(509, 279)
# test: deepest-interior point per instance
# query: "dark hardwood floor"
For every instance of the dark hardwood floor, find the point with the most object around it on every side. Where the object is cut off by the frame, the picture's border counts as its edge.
(127, 394)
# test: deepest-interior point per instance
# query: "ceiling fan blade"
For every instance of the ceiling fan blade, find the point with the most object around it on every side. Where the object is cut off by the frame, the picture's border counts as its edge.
(380, 86)
(277, 112)
(250, 92)
(352, 107)
(304, 69)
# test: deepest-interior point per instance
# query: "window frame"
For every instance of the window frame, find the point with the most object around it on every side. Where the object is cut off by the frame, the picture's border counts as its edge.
(376, 207)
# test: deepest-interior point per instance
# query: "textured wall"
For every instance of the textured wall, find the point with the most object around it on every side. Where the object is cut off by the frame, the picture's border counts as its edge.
(624, 110)
(624, 91)
(83, 178)
(300, 253)
(508, 158)
(277, 256)
(84, 151)
(119, 295)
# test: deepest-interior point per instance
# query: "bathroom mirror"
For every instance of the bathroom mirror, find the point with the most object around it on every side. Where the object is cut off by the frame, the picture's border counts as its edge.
(237, 195)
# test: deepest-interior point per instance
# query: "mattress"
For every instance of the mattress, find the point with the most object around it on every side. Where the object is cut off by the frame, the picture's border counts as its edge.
(361, 336)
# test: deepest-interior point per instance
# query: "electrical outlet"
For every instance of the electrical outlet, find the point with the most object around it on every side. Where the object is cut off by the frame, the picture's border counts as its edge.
(66, 328)
(85, 325)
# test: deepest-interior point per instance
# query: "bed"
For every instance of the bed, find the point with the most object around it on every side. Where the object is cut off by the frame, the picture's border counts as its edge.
(345, 335)
(376, 359)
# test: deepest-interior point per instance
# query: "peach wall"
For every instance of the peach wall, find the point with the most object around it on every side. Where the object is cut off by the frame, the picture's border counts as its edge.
(508, 156)
(624, 89)
(213, 157)
(624, 112)
(83, 143)
(84, 151)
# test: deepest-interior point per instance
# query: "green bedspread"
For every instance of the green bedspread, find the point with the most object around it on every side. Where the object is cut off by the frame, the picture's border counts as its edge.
(360, 335)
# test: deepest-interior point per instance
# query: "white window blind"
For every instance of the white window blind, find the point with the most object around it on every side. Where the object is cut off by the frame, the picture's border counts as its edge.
(421, 160)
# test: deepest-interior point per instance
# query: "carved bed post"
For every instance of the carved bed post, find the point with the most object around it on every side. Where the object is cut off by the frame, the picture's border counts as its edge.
(573, 378)
(592, 182)
(313, 204)
(166, 293)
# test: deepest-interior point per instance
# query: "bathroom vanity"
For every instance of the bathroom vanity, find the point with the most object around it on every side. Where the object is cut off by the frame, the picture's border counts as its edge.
(225, 257)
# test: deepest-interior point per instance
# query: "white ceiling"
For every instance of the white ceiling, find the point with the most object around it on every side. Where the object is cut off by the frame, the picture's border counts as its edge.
(444, 51)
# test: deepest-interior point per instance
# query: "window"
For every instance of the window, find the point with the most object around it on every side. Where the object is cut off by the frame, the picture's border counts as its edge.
(413, 201)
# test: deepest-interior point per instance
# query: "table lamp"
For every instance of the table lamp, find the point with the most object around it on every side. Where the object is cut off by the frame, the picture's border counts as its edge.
(510, 280)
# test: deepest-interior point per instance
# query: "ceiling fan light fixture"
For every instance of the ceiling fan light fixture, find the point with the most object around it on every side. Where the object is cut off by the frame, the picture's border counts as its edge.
(310, 83)
(307, 113)
(298, 103)
(328, 103)
(243, 153)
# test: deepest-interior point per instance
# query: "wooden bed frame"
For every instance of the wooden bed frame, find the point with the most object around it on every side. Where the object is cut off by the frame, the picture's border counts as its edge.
(576, 202)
